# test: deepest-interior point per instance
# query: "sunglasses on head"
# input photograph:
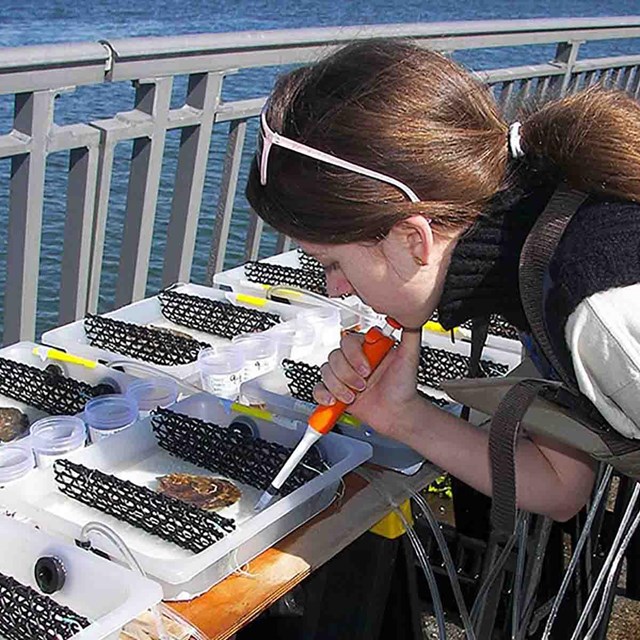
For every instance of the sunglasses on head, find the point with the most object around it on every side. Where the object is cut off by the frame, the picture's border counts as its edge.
(269, 138)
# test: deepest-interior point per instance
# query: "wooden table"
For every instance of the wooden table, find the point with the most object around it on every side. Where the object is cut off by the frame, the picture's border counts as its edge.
(238, 599)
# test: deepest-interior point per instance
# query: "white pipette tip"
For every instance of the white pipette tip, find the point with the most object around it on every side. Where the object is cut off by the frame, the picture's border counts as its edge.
(266, 498)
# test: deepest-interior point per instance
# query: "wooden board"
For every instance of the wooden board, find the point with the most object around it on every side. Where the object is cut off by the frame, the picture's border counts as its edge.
(232, 603)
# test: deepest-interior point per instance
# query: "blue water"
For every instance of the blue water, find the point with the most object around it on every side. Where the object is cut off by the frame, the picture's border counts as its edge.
(25, 22)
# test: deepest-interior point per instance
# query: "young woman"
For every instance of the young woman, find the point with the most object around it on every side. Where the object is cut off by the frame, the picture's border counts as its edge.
(394, 168)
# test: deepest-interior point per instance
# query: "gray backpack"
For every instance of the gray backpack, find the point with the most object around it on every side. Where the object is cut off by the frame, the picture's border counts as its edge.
(554, 409)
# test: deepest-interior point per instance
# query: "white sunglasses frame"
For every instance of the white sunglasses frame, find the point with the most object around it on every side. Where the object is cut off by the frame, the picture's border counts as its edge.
(270, 138)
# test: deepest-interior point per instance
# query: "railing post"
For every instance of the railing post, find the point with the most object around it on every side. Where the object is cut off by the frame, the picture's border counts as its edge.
(203, 96)
(230, 173)
(76, 256)
(32, 119)
(566, 56)
(153, 98)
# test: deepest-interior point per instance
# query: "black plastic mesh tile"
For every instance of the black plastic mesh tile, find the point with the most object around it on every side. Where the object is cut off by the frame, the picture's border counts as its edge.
(46, 390)
(230, 452)
(217, 317)
(275, 274)
(149, 344)
(26, 614)
(172, 520)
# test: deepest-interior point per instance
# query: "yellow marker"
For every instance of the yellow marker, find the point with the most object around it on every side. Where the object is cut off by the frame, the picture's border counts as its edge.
(256, 301)
(254, 412)
(436, 327)
(55, 354)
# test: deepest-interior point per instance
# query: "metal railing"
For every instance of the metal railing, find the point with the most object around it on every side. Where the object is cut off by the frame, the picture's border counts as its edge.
(36, 75)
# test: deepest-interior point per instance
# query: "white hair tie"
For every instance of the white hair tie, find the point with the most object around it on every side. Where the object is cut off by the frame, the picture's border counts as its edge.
(515, 140)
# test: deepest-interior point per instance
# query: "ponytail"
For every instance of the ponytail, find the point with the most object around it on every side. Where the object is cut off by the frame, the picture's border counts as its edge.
(590, 139)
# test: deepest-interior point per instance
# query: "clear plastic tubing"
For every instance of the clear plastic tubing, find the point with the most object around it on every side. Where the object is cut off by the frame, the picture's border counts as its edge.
(56, 436)
(107, 415)
(260, 354)
(221, 370)
(151, 393)
(15, 462)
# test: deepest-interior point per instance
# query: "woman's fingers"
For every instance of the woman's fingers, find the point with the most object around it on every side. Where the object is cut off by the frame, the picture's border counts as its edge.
(340, 376)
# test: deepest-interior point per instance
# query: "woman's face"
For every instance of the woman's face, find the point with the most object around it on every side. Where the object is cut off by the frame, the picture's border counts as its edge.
(390, 276)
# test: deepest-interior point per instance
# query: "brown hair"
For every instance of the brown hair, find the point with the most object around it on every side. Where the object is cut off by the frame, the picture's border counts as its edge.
(415, 115)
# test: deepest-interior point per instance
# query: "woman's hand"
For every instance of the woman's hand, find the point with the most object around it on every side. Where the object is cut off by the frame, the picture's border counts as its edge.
(376, 398)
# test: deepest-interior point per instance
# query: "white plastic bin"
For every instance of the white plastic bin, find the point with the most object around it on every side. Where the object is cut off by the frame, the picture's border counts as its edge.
(103, 592)
(72, 337)
(135, 455)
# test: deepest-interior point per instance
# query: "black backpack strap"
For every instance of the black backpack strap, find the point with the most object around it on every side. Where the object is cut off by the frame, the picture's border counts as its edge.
(535, 257)
(537, 252)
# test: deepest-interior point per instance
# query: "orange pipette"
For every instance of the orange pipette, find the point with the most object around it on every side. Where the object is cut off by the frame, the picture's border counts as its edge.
(377, 343)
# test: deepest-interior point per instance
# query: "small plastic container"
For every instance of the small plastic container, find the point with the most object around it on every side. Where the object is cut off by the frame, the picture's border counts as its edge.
(151, 393)
(15, 462)
(260, 354)
(55, 436)
(110, 414)
(221, 370)
(295, 340)
(326, 322)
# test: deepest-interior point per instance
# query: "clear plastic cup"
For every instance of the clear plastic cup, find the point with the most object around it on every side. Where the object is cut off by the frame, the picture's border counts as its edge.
(326, 322)
(15, 462)
(110, 414)
(221, 370)
(151, 393)
(260, 354)
(55, 436)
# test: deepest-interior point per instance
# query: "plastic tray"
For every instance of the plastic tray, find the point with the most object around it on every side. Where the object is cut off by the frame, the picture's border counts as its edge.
(72, 337)
(101, 591)
(23, 352)
(135, 455)
(271, 390)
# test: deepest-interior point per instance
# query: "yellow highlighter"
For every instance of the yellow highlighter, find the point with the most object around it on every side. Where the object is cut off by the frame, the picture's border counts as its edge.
(54, 354)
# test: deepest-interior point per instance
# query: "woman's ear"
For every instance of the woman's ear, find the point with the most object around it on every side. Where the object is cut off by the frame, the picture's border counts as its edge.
(417, 236)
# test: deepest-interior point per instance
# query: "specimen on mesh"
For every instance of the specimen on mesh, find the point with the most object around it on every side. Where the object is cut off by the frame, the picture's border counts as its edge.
(27, 614)
(233, 453)
(46, 389)
(218, 317)
(13, 424)
(143, 343)
(437, 365)
(302, 377)
(202, 491)
(274, 274)
(172, 520)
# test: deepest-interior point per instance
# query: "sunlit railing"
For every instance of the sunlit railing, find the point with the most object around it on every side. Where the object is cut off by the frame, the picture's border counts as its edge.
(36, 75)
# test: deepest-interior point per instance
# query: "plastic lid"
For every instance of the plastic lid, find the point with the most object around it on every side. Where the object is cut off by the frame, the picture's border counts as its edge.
(111, 412)
(153, 392)
(256, 346)
(15, 462)
(57, 434)
(220, 360)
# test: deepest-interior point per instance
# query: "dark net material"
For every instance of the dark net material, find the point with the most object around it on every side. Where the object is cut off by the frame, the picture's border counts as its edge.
(230, 452)
(498, 326)
(172, 520)
(274, 274)
(26, 614)
(437, 365)
(217, 317)
(309, 263)
(46, 390)
(143, 343)
(302, 377)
